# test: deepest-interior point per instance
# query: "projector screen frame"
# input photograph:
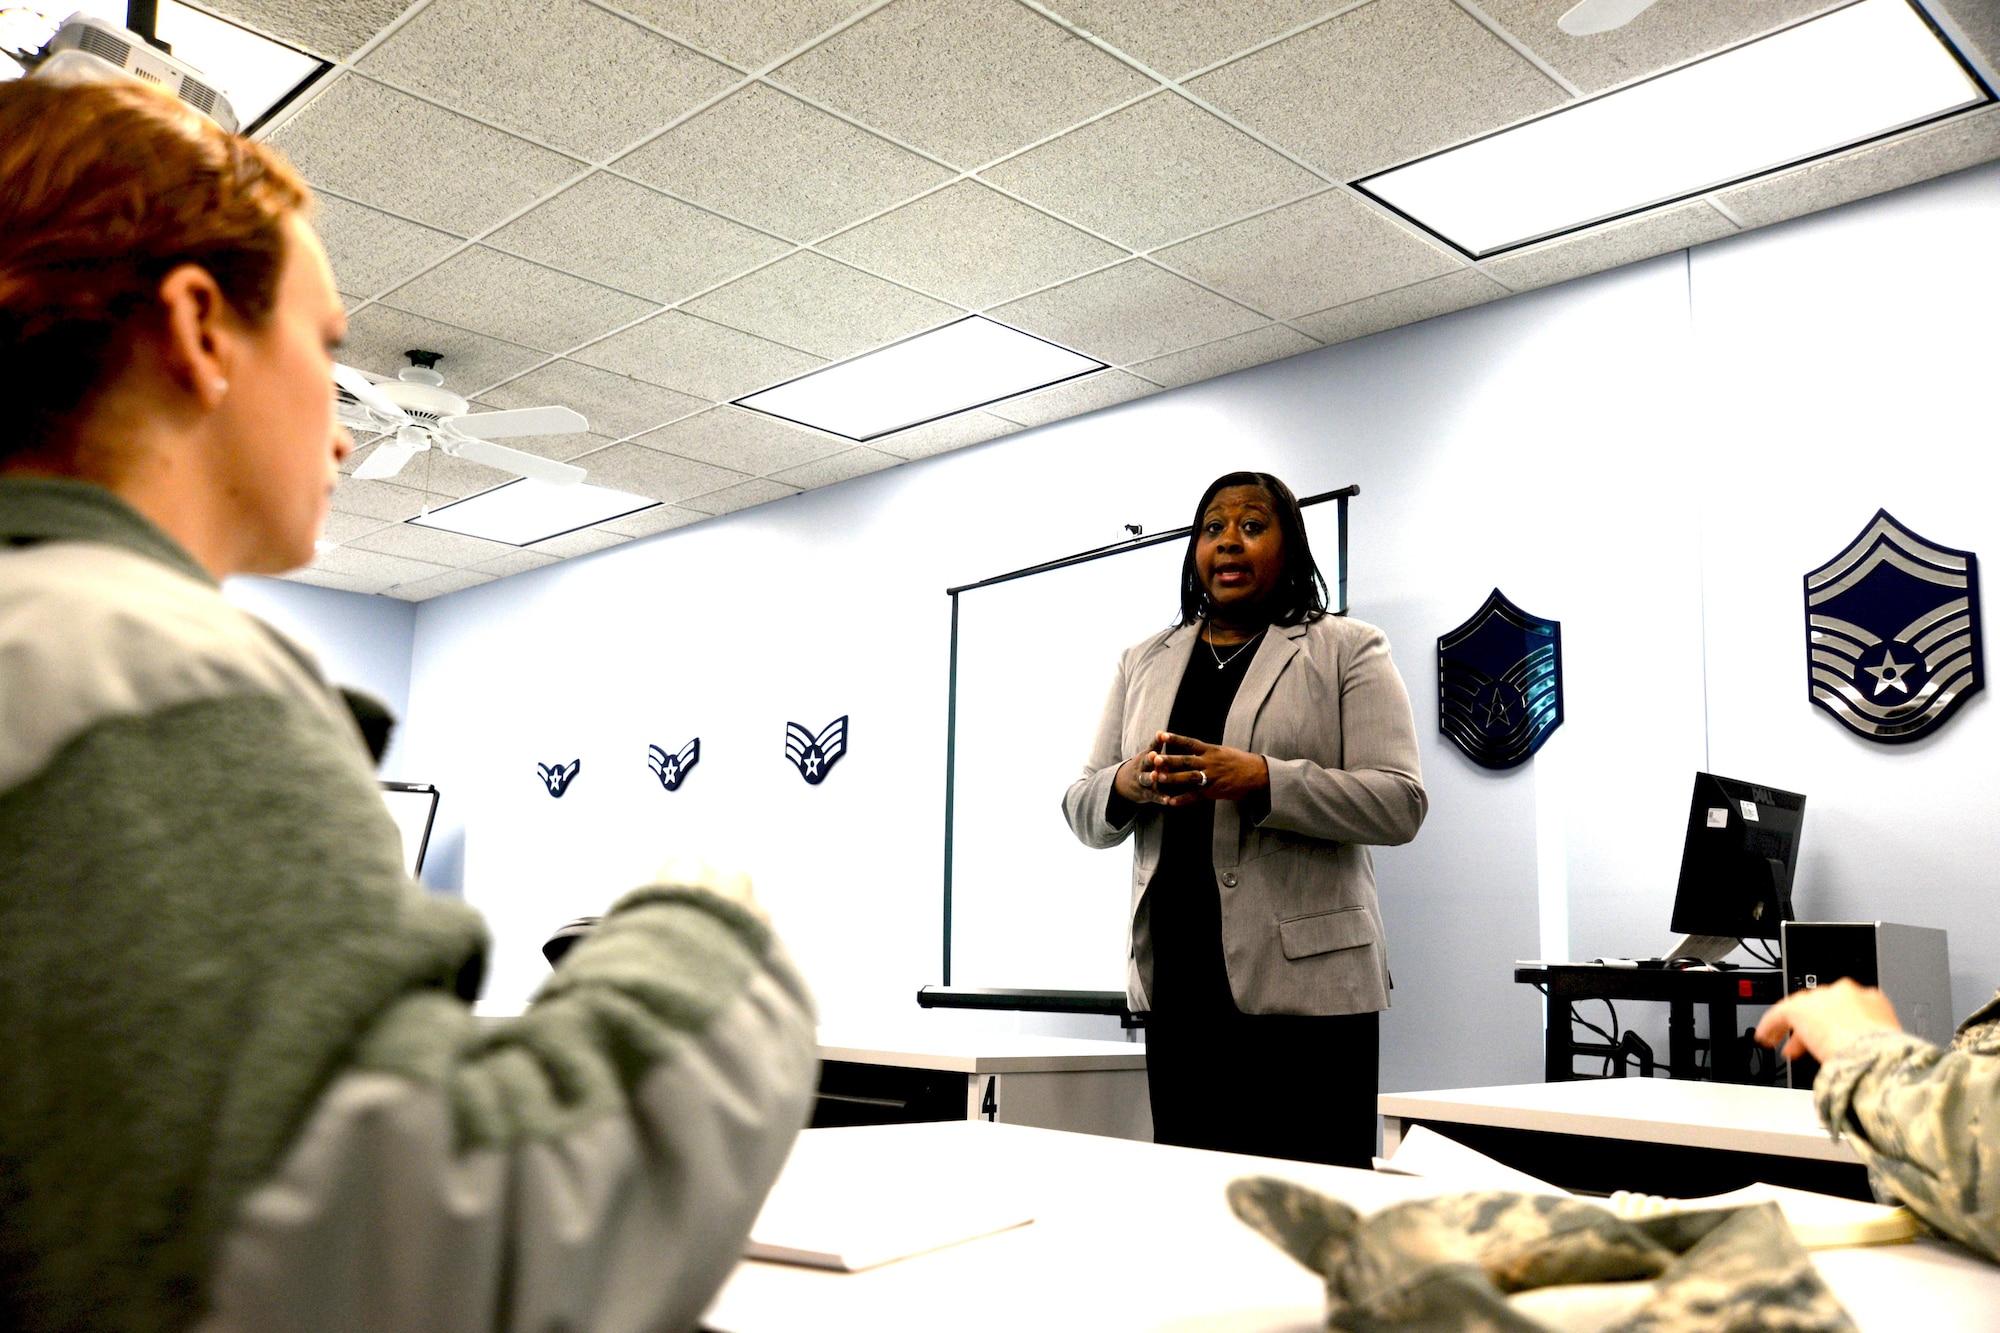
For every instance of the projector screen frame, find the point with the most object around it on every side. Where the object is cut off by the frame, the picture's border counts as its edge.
(947, 996)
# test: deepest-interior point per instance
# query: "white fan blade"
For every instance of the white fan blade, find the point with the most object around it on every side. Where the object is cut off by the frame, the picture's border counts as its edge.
(387, 460)
(365, 393)
(513, 460)
(520, 421)
(1595, 16)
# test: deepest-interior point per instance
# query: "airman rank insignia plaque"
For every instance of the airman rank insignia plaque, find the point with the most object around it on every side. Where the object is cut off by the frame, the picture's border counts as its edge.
(1892, 633)
(1500, 683)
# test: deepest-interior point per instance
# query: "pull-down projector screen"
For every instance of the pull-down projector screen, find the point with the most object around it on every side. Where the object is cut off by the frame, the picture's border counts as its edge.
(1030, 907)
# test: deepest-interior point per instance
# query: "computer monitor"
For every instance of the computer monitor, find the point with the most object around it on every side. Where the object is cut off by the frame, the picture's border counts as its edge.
(414, 804)
(1736, 865)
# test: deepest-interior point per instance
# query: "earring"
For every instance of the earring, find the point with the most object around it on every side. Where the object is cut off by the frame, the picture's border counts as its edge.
(222, 388)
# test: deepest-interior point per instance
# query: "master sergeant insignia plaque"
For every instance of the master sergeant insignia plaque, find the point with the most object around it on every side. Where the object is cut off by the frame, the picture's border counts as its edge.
(1892, 633)
(1500, 683)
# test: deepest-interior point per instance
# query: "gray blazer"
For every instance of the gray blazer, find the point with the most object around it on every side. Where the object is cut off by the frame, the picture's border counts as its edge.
(1301, 930)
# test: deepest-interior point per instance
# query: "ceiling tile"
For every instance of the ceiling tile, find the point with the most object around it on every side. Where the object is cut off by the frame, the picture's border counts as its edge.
(1974, 24)
(749, 34)
(1104, 389)
(1372, 314)
(641, 471)
(1128, 313)
(740, 496)
(955, 432)
(374, 566)
(381, 147)
(1382, 83)
(1254, 348)
(510, 298)
(856, 462)
(1153, 172)
(1609, 246)
(693, 355)
(610, 230)
(567, 73)
(1310, 255)
(320, 578)
(377, 499)
(1665, 34)
(812, 302)
(333, 31)
(972, 245)
(1176, 37)
(443, 478)
(646, 522)
(454, 550)
(371, 251)
(517, 560)
(745, 441)
(422, 590)
(1964, 141)
(344, 527)
(964, 80)
(378, 336)
(615, 405)
(581, 542)
(779, 164)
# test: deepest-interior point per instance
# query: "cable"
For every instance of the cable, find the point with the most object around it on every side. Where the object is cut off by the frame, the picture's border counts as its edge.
(1759, 951)
(1611, 1037)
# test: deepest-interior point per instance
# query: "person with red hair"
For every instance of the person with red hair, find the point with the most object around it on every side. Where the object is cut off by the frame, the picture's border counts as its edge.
(240, 1082)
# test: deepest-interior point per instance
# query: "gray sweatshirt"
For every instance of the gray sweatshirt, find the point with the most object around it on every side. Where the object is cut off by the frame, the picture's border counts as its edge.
(240, 1086)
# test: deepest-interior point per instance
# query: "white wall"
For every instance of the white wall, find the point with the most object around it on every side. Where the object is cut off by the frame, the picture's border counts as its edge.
(363, 642)
(1654, 456)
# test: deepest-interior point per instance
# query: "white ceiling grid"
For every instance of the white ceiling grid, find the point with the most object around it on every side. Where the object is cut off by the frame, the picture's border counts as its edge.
(645, 208)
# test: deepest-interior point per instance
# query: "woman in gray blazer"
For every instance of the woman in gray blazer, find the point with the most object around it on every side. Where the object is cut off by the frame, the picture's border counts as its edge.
(1256, 750)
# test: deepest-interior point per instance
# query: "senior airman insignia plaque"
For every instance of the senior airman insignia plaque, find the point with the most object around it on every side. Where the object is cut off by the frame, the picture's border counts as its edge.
(1892, 633)
(814, 755)
(1500, 683)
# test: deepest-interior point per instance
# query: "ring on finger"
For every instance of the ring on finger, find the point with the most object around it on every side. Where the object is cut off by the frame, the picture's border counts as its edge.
(1201, 773)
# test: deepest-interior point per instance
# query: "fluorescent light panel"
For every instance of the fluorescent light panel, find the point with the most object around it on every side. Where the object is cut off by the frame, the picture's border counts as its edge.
(524, 511)
(1844, 78)
(965, 364)
(255, 72)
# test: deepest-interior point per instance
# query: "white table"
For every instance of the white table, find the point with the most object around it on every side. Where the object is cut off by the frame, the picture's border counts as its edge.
(1136, 1236)
(1089, 1087)
(1730, 1117)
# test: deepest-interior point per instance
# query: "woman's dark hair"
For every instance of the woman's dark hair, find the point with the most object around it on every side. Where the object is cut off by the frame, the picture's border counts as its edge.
(1301, 591)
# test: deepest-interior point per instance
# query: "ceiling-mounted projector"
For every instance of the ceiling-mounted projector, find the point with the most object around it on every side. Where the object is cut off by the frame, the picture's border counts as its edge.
(86, 49)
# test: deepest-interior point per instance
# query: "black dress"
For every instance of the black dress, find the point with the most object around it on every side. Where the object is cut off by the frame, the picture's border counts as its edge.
(1276, 1085)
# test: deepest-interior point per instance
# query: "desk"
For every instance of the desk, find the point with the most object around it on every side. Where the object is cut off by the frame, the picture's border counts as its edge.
(1681, 989)
(1137, 1236)
(1659, 1136)
(1087, 1087)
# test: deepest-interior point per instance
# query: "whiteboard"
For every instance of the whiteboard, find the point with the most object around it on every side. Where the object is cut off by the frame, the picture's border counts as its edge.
(414, 806)
(1031, 907)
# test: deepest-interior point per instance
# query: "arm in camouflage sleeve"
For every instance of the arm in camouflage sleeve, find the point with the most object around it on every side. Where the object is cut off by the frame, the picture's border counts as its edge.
(1927, 1123)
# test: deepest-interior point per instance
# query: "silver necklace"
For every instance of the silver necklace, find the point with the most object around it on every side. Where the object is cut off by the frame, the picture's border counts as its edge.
(1220, 660)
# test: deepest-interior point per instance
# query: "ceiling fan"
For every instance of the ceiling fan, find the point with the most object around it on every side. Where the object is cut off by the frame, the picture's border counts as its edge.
(417, 412)
(1595, 16)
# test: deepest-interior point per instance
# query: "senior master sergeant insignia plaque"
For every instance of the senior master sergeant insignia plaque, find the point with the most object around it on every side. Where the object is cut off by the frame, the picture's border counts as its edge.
(1500, 683)
(1892, 633)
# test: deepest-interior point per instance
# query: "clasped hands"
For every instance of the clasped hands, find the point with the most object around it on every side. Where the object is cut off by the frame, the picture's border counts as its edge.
(1180, 770)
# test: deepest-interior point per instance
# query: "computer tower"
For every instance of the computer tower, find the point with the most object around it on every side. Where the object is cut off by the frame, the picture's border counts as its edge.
(1910, 964)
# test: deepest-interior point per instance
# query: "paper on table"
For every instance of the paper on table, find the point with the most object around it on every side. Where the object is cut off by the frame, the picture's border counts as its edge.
(1427, 1153)
(1820, 1221)
(806, 1222)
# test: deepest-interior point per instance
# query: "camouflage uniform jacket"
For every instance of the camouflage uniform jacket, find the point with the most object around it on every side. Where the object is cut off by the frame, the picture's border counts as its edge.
(1927, 1123)
(1488, 1262)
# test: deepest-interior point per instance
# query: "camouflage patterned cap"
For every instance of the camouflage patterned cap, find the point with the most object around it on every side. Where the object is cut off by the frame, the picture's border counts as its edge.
(1448, 1265)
